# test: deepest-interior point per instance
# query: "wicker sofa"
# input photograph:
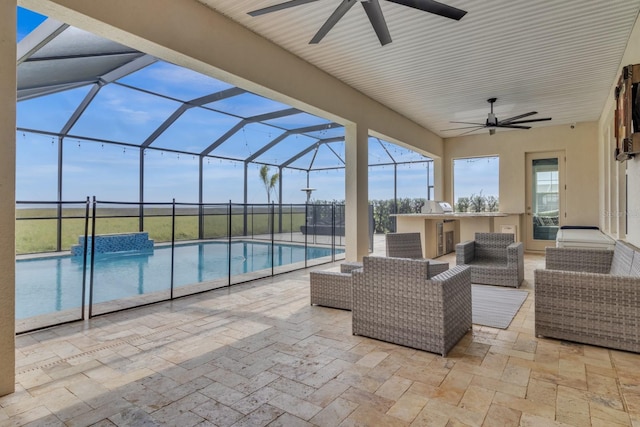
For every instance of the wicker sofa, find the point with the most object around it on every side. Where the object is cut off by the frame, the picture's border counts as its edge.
(590, 296)
(495, 259)
(394, 301)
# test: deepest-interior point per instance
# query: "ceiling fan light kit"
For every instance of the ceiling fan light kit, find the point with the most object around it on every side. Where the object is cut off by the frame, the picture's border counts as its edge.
(373, 11)
(492, 122)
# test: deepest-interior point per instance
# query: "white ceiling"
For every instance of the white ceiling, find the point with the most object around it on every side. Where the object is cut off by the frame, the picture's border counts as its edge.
(555, 57)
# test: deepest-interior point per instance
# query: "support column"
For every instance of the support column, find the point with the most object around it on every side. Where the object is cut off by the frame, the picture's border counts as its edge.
(439, 192)
(7, 194)
(356, 192)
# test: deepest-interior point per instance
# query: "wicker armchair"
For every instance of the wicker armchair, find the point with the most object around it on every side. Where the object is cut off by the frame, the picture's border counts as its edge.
(394, 301)
(590, 296)
(495, 259)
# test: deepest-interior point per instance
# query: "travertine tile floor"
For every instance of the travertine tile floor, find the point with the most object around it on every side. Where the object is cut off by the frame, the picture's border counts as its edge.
(259, 354)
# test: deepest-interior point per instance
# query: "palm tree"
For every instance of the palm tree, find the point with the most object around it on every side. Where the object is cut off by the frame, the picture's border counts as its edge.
(268, 181)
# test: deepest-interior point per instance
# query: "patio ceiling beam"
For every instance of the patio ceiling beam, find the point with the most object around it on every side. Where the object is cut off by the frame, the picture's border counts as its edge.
(130, 67)
(387, 151)
(197, 102)
(336, 154)
(274, 115)
(80, 109)
(38, 38)
(224, 137)
(36, 92)
(313, 159)
(165, 125)
(288, 133)
(244, 122)
(309, 149)
(218, 96)
(267, 147)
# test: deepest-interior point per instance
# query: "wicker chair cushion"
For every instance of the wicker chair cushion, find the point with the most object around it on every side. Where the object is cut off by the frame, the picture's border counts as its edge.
(492, 246)
(635, 265)
(404, 245)
(622, 258)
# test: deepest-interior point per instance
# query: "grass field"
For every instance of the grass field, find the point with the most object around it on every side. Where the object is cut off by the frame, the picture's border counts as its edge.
(36, 229)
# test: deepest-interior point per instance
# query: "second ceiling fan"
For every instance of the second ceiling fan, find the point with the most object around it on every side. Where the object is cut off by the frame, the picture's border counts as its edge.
(492, 122)
(373, 10)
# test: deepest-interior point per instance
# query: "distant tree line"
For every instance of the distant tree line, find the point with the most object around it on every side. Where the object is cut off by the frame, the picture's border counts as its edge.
(477, 203)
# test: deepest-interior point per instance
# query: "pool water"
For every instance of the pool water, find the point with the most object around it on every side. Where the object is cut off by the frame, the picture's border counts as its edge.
(51, 284)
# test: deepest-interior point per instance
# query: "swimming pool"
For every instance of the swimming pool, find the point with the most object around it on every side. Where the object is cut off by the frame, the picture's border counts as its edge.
(51, 284)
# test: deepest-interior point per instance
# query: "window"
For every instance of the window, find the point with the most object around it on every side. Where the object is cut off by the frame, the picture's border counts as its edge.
(476, 184)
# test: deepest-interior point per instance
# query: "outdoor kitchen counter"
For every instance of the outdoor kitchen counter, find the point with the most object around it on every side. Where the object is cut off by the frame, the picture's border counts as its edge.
(440, 232)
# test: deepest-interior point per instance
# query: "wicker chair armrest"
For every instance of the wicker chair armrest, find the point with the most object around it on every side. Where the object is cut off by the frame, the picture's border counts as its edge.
(357, 276)
(454, 276)
(348, 267)
(437, 267)
(515, 253)
(465, 252)
(575, 259)
(552, 281)
(455, 284)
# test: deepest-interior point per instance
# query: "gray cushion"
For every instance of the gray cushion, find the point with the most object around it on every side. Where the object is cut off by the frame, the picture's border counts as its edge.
(622, 259)
(635, 265)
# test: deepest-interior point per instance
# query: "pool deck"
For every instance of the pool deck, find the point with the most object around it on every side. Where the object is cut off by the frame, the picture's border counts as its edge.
(258, 354)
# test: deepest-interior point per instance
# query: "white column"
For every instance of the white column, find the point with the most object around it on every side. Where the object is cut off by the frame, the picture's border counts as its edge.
(439, 181)
(356, 192)
(7, 193)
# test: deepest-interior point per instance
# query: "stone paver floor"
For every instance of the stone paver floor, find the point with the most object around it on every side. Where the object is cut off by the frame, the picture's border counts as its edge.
(258, 354)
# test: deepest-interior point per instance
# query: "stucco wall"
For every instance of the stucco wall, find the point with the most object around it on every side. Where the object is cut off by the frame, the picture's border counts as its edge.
(581, 168)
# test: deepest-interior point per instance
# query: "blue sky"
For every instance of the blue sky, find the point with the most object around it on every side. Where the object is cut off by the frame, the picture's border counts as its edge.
(118, 113)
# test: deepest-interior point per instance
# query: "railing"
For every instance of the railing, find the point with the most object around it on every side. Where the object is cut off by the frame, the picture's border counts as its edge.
(133, 254)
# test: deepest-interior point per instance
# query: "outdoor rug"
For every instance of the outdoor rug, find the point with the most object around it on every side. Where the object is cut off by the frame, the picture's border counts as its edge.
(495, 307)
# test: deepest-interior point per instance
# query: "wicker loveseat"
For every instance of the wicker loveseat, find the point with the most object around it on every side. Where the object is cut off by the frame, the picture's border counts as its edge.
(495, 259)
(394, 301)
(590, 296)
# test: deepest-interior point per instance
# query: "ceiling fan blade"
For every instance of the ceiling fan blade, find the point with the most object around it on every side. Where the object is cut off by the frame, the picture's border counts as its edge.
(434, 7)
(512, 126)
(333, 20)
(463, 127)
(529, 121)
(372, 7)
(520, 116)
(278, 7)
(470, 131)
(470, 123)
